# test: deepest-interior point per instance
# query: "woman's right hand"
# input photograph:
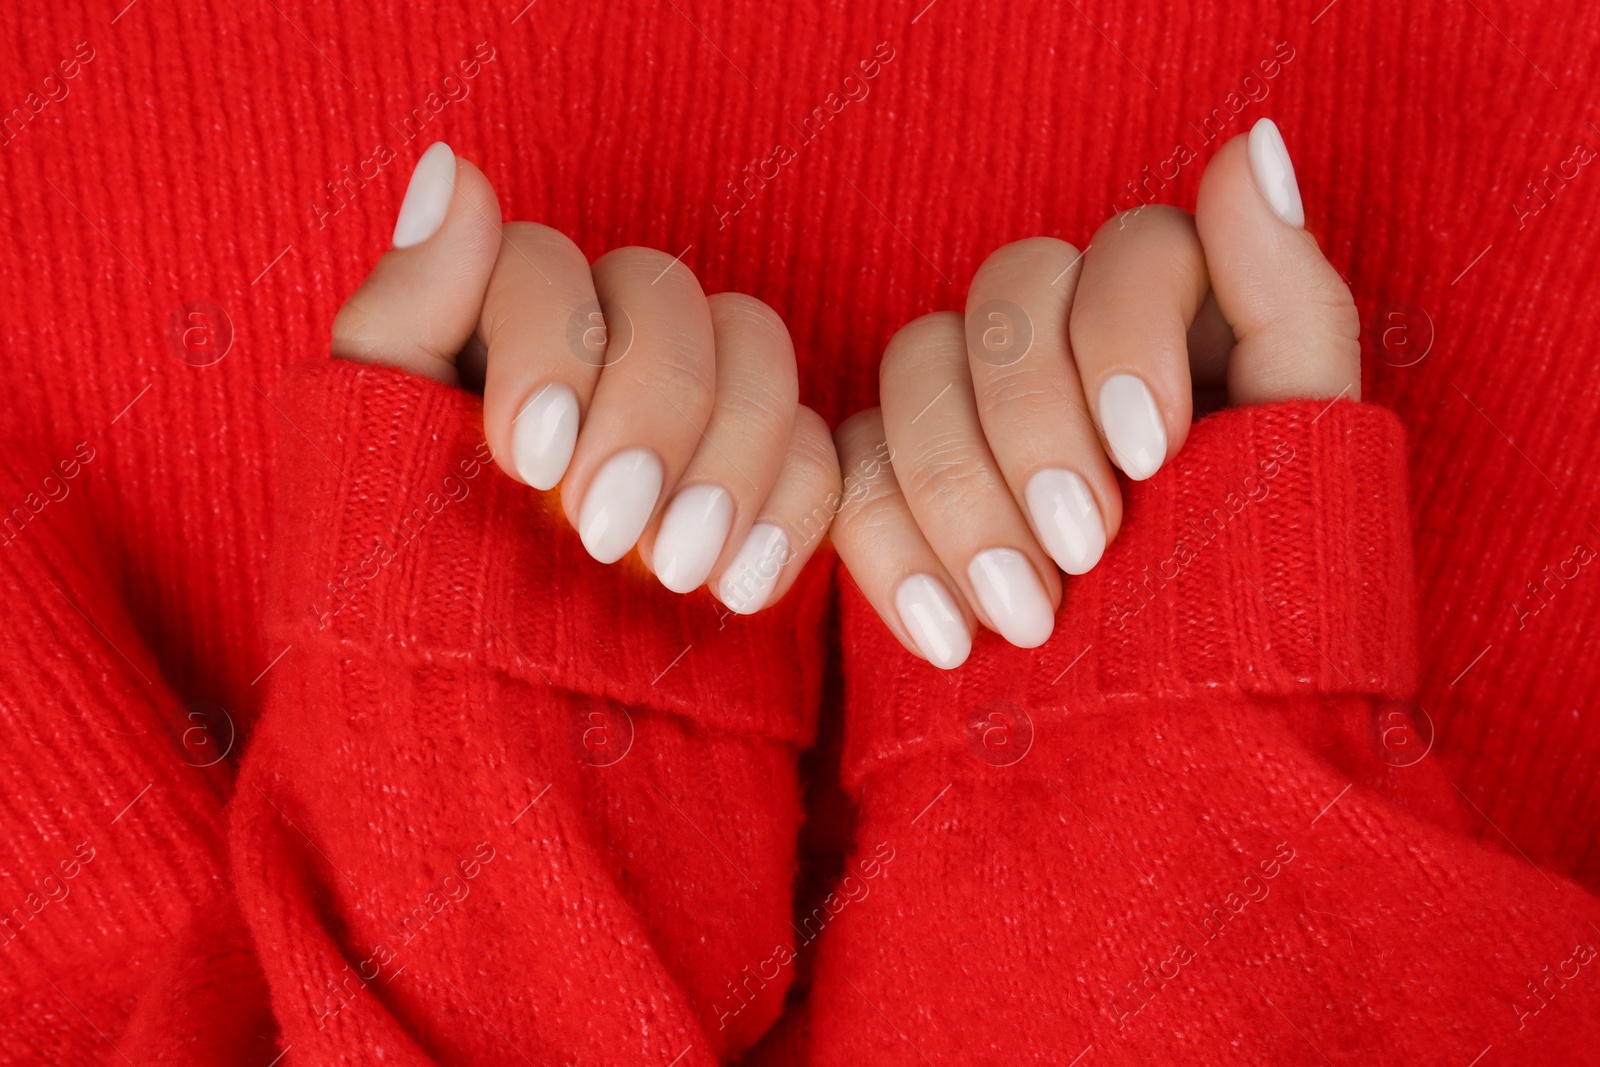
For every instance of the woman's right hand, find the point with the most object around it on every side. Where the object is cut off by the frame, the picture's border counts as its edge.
(669, 419)
(1002, 428)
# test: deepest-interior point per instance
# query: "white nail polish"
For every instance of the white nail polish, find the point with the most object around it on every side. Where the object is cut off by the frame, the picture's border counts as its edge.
(1012, 596)
(931, 617)
(1066, 519)
(1274, 173)
(427, 200)
(692, 534)
(619, 503)
(543, 434)
(748, 583)
(1132, 425)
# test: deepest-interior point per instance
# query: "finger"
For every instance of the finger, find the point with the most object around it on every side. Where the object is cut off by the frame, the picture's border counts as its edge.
(733, 469)
(791, 523)
(1144, 280)
(652, 402)
(545, 340)
(953, 486)
(1031, 403)
(884, 551)
(421, 302)
(1295, 323)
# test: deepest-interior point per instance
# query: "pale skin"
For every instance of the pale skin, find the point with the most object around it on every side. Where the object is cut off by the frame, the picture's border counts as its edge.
(1003, 435)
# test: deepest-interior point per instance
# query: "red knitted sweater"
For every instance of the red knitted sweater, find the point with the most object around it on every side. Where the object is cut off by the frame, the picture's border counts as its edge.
(323, 742)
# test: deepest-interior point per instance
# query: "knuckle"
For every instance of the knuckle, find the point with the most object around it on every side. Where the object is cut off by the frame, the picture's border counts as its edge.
(741, 309)
(874, 517)
(866, 470)
(931, 329)
(866, 506)
(534, 236)
(754, 348)
(1016, 387)
(1028, 256)
(933, 340)
(811, 452)
(1149, 216)
(761, 399)
(651, 265)
(681, 373)
(1332, 296)
(352, 325)
(859, 434)
(943, 470)
(1145, 223)
(1322, 306)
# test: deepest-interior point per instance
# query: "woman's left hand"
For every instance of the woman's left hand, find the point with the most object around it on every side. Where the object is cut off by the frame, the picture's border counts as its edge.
(1002, 428)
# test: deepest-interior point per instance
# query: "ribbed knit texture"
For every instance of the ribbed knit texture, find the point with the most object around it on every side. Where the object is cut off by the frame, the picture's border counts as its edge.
(190, 160)
(1206, 834)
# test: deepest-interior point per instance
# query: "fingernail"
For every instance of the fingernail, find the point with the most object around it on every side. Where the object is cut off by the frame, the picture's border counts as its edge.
(692, 534)
(433, 183)
(1012, 596)
(619, 503)
(753, 574)
(1132, 425)
(1066, 519)
(931, 617)
(542, 435)
(1274, 173)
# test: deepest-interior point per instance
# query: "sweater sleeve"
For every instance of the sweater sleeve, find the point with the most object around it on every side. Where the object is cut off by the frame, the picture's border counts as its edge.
(112, 831)
(504, 804)
(1205, 822)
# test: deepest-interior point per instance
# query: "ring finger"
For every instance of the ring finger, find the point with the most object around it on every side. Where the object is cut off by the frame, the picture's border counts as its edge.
(886, 555)
(953, 486)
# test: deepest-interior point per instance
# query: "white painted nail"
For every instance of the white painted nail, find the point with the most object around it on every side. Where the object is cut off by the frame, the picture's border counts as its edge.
(543, 434)
(693, 532)
(1274, 173)
(1012, 596)
(619, 503)
(748, 583)
(427, 200)
(934, 622)
(1066, 519)
(1132, 425)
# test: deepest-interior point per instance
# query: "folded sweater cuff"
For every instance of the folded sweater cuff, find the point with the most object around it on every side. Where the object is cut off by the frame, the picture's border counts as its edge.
(396, 533)
(1272, 557)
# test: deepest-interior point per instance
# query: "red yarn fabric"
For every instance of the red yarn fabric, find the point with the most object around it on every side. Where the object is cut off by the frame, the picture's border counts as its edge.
(325, 743)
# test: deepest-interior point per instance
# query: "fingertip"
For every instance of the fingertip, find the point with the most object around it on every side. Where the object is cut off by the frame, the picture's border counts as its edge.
(543, 435)
(933, 620)
(618, 503)
(1251, 180)
(418, 306)
(1273, 172)
(751, 578)
(428, 196)
(443, 184)
(1134, 426)
(1066, 519)
(1292, 315)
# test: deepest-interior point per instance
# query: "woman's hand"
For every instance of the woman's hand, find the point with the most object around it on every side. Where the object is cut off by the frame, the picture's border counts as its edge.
(668, 418)
(1002, 428)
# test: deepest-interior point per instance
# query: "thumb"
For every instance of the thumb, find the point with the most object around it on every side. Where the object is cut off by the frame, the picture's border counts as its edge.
(1295, 324)
(420, 304)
